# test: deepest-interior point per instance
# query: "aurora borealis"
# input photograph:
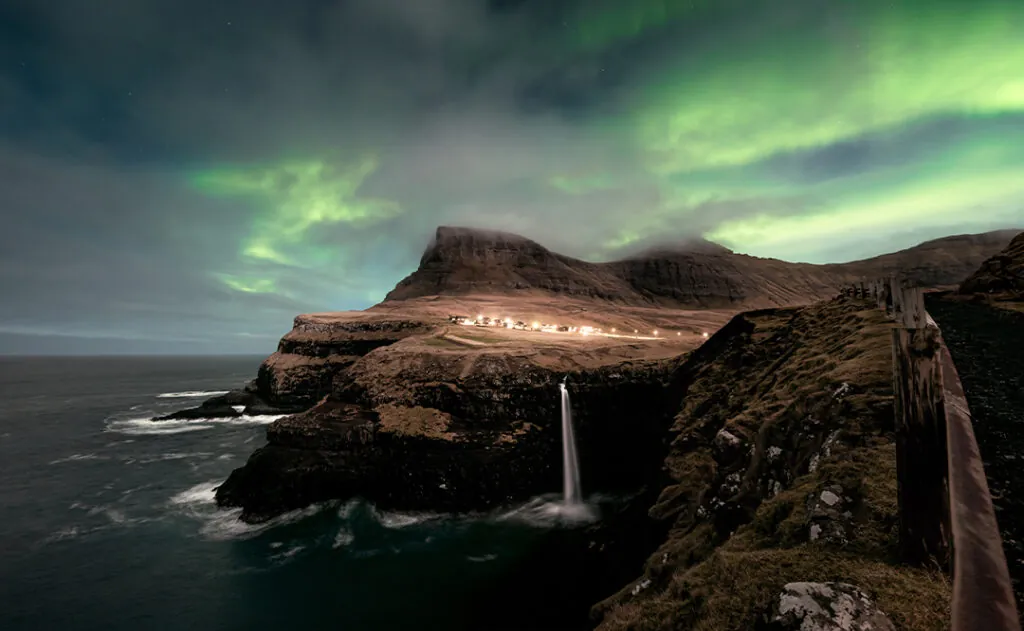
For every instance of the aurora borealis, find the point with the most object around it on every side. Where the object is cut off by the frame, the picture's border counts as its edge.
(188, 175)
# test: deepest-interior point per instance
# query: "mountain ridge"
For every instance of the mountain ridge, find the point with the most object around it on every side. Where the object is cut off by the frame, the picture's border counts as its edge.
(462, 261)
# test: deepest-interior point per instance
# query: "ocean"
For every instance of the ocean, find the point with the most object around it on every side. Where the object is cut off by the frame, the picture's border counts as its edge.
(107, 522)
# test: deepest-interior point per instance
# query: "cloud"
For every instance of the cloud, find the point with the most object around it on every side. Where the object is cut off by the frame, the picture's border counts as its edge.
(191, 170)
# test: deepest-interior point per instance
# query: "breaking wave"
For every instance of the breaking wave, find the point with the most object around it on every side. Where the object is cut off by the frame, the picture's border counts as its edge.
(151, 427)
(191, 394)
(217, 524)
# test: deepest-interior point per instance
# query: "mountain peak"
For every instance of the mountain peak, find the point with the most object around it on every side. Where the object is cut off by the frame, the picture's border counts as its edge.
(470, 261)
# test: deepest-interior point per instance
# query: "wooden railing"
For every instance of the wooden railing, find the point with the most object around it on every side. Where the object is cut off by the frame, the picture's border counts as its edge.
(945, 508)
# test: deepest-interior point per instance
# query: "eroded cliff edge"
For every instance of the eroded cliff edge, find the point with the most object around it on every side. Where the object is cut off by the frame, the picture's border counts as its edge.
(442, 420)
(781, 469)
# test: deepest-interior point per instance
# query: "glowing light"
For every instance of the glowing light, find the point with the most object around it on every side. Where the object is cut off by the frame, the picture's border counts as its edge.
(295, 199)
(536, 325)
(613, 330)
(479, 317)
(678, 333)
(705, 334)
(655, 332)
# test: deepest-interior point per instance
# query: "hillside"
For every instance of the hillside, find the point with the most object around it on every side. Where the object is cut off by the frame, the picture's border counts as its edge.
(937, 263)
(464, 262)
(781, 470)
(1001, 275)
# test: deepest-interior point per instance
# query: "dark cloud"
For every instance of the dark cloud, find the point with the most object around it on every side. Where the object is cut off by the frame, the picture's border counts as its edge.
(471, 108)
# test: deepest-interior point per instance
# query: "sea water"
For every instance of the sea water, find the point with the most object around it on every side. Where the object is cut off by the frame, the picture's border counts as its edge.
(108, 522)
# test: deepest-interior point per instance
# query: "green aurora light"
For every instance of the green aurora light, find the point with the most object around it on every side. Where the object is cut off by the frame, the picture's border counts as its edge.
(712, 126)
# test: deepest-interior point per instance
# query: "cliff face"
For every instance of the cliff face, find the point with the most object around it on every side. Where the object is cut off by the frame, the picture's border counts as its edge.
(781, 470)
(1002, 274)
(319, 348)
(462, 261)
(409, 427)
(387, 386)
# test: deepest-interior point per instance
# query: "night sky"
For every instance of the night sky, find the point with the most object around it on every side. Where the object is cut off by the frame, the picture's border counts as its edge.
(186, 176)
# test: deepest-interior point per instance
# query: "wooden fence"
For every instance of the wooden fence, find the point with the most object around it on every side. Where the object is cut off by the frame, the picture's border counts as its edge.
(945, 508)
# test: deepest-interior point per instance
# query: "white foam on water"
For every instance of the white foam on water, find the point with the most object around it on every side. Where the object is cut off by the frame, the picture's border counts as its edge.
(198, 495)
(342, 539)
(289, 553)
(199, 502)
(175, 456)
(483, 559)
(345, 510)
(191, 394)
(64, 533)
(397, 521)
(151, 427)
(238, 408)
(78, 458)
(545, 512)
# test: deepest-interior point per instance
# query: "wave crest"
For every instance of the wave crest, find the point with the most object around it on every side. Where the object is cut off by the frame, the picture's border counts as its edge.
(191, 394)
(151, 427)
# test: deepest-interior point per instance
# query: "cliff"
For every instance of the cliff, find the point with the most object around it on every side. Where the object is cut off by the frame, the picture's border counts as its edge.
(463, 261)
(463, 422)
(765, 454)
(781, 471)
(1001, 275)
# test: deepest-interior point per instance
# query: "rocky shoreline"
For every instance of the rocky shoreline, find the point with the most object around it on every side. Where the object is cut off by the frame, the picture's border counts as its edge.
(773, 438)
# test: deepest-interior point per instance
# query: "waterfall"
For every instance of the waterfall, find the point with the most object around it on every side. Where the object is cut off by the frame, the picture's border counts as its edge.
(570, 464)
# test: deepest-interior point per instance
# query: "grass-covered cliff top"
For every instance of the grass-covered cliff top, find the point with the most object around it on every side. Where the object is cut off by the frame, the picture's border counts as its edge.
(782, 469)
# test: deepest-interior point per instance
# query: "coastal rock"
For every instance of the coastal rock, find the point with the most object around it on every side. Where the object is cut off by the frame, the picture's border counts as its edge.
(309, 358)
(826, 607)
(322, 346)
(410, 428)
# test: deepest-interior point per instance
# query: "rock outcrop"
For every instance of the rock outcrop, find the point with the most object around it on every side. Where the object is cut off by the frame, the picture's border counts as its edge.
(1001, 275)
(417, 427)
(308, 359)
(781, 470)
(464, 261)
(826, 607)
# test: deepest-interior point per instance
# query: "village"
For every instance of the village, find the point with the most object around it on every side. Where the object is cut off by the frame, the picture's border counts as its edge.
(544, 327)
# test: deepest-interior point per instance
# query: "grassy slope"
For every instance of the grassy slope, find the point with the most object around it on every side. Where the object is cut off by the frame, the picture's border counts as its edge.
(741, 518)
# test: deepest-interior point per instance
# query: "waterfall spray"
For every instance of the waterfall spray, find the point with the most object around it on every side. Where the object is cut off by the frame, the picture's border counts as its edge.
(570, 464)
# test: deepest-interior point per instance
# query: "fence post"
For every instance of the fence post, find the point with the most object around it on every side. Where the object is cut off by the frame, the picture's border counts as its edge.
(921, 460)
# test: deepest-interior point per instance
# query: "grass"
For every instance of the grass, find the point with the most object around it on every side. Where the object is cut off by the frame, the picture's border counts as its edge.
(415, 421)
(442, 342)
(774, 388)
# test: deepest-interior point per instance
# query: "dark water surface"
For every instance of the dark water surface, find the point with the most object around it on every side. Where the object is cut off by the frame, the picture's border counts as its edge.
(107, 523)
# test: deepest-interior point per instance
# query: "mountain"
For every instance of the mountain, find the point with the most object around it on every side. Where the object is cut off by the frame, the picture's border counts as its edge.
(465, 262)
(1000, 274)
(939, 262)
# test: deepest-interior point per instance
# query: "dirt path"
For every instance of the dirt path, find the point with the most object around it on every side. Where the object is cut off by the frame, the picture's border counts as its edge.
(987, 345)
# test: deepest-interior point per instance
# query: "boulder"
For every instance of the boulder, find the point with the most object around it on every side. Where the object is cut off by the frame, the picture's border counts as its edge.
(826, 607)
